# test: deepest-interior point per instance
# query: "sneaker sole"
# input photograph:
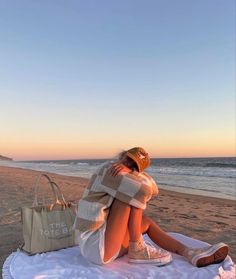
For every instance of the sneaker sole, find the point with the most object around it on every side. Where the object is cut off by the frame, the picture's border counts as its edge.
(158, 262)
(215, 255)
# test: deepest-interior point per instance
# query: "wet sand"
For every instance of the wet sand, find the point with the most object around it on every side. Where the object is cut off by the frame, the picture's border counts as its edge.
(205, 218)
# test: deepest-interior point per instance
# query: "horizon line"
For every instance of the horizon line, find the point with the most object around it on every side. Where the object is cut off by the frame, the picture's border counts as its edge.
(109, 158)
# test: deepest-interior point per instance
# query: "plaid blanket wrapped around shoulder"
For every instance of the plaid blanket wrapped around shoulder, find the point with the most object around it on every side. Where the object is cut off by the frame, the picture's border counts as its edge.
(133, 188)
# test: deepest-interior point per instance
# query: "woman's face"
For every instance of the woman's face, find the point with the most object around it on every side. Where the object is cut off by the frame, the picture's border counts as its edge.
(128, 162)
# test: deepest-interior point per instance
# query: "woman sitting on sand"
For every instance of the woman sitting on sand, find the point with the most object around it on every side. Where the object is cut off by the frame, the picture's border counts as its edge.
(110, 221)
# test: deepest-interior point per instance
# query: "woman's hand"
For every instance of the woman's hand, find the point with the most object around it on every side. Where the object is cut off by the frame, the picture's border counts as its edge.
(117, 168)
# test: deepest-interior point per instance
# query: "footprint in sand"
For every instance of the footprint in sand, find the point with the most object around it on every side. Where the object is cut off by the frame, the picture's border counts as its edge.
(221, 216)
(10, 218)
(187, 216)
(221, 223)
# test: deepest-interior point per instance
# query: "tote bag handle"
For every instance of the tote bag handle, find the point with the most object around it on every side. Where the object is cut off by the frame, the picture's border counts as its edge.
(35, 202)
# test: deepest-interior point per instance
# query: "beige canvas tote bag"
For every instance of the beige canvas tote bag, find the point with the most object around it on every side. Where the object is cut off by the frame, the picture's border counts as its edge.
(48, 227)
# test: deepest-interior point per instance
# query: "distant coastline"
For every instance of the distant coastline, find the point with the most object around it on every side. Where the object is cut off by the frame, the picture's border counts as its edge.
(4, 158)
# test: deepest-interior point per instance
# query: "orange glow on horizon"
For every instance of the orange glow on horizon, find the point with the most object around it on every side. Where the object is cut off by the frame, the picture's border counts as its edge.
(62, 148)
(74, 152)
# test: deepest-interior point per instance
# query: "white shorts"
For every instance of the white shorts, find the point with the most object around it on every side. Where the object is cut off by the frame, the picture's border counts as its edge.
(92, 245)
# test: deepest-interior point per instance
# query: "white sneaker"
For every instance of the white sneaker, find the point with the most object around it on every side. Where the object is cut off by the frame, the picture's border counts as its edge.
(140, 252)
(208, 255)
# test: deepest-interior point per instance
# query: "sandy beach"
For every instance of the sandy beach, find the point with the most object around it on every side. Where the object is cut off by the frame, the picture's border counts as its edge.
(208, 219)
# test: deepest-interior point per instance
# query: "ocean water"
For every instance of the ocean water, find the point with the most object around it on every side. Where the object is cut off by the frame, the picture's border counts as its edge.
(215, 177)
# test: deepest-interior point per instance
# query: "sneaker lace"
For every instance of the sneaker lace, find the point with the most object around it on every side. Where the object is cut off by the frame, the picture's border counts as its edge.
(152, 248)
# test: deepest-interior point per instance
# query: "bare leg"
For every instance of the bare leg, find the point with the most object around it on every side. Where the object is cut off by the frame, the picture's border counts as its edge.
(117, 223)
(135, 224)
(162, 239)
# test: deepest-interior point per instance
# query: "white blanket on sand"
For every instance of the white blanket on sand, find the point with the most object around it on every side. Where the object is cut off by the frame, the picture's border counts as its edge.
(68, 263)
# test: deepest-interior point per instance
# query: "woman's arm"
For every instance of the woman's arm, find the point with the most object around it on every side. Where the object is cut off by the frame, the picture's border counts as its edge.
(127, 186)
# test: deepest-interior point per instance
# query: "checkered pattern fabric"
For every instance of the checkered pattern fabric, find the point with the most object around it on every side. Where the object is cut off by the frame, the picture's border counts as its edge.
(134, 188)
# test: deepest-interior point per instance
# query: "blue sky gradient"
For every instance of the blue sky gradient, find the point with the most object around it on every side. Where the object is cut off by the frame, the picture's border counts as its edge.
(75, 70)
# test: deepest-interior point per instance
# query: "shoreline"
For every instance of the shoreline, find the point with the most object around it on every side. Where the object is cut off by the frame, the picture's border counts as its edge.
(205, 218)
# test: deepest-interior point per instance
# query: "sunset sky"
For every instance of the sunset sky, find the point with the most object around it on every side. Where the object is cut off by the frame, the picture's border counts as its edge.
(87, 79)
